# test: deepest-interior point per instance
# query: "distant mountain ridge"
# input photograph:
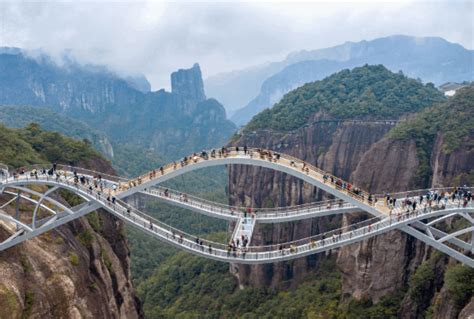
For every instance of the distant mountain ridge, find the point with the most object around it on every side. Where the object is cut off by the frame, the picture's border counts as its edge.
(432, 59)
(170, 123)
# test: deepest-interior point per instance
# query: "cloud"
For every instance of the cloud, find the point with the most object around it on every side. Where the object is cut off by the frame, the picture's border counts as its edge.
(156, 38)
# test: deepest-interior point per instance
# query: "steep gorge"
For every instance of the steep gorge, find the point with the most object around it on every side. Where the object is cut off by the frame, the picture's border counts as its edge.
(334, 146)
(366, 155)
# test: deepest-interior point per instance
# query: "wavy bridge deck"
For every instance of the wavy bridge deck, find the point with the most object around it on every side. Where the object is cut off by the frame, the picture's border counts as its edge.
(99, 190)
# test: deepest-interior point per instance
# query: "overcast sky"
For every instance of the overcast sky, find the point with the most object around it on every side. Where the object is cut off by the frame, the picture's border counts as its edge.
(157, 38)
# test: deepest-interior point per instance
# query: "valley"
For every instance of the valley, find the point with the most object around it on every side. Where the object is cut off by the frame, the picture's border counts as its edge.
(334, 182)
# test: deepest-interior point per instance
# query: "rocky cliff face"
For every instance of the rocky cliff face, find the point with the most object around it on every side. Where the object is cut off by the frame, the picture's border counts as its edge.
(359, 153)
(382, 265)
(452, 168)
(187, 85)
(170, 123)
(80, 270)
(72, 89)
(333, 146)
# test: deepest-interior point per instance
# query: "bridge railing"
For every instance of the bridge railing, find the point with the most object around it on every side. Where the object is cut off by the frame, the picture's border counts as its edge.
(195, 201)
(263, 212)
(22, 171)
(288, 160)
(329, 205)
(354, 191)
(323, 176)
(268, 251)
(121, 207)
(363, 227)
(154, 224)
(168, 230)
(343, 233)
(335, 181)
(4, 172)
(88, 172)
(424, 192)
(46, 167)
(424, 198)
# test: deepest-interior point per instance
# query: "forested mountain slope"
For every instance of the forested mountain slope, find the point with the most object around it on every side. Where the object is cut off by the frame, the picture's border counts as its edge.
(379, 157)
(76, 269)
(21, 116)
(393, 276)
(368, 92)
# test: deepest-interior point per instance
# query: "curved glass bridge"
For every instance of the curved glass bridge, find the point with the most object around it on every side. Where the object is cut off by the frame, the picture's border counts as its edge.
(419, 213)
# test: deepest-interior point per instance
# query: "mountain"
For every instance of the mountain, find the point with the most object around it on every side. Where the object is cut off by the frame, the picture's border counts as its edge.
(273, 88)
(368, 92)
(139, 82)
(171, 123)
(237, 88)
(431, 59)
(75, 270)
(391, 276)
(432, 148)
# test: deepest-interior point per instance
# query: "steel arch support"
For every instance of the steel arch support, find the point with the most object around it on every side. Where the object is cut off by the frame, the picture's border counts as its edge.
(17, 207)
(439, 246)
(282, 218)
(38, 204)
(20, 184)
(17, 196)
(468, 217)
(9, 202)
(436, 234)
(84, 210)
(15, 235)
(32, 201)
(10, 219)
(462, 214)
(456, 234)
(243, 160)
(40, 195)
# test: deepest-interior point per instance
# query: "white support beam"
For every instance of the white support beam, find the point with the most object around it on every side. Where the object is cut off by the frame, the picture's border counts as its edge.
(13, 220)
(439, 234)
(48, 199)
(439, 246)
(14, 235)
(38, 231)
(39, 202)
(8, 203)
(27, 198)
(456, 234)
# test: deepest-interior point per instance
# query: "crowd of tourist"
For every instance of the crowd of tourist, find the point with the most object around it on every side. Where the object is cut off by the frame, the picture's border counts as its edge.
(402, 207)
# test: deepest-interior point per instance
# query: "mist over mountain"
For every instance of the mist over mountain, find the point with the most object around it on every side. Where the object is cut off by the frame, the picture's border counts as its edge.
(431, 59)
(170, 123)
(316, 163)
